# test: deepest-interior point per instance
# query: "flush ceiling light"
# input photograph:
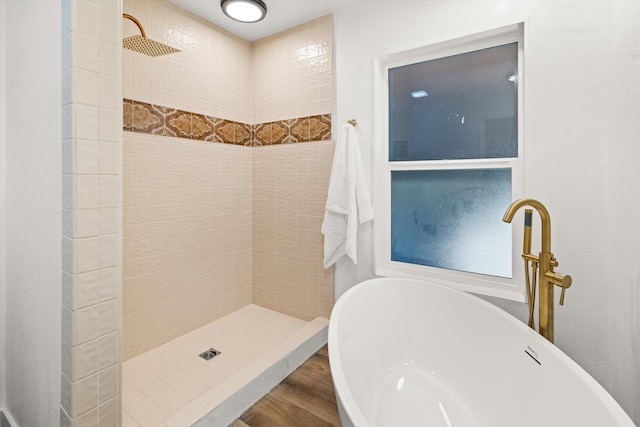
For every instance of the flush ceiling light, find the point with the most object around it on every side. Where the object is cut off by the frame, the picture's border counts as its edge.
(244, 10)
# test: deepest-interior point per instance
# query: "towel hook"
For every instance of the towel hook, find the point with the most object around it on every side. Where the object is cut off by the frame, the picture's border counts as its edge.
(352, 122)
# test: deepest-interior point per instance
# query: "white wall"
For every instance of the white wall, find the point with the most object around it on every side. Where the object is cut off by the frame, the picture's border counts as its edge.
(581, 108)
(623, 83)
(33, 206)
(3, 209)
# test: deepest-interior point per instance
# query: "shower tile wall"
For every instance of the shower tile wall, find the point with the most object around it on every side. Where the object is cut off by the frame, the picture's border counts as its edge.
(211, 76)
(91, 218)
(293, 72)
(187, 236)
(187, 203)
(190, 230)
(293, 78)
(289, 192)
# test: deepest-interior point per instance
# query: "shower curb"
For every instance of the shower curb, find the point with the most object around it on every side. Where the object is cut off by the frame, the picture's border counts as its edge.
(267, 372)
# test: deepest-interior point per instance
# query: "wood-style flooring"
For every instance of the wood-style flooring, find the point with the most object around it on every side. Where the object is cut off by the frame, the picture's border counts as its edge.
(305, 398)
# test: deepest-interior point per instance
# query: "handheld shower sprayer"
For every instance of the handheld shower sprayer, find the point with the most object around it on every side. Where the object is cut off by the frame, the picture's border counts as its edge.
(526, 242)
(529, 271)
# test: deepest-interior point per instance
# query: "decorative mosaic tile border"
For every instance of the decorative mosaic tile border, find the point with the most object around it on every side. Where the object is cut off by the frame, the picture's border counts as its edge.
(157, 120)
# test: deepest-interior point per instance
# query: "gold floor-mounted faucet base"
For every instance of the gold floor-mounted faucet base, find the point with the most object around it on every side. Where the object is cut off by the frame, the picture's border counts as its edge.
(542, 267)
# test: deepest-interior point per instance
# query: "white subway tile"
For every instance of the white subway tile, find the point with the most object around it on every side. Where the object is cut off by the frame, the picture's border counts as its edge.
(87, 254)
(68, 191)
(86, 120)
(113, 6)
(67, 49)
(84, 395)
(110, 124)
(108, 90)
(87, 191)
(127, 83)
(108, 312)
(67, 86)
(107, 52)
(66, 395)
(67, 122)
(108, 21)
(107, 383)
(69, 255)
(85, 18)
(68, 223)
(109, 191)
(87, 157)
(68, 289)
(86, 325)
(141, 91)
(142, 214)
(109, 251)
(85, 87)
(109, 281)
(88, 419)
(108, 350)
(66, 356)
(108, 413)
(87, 222)
(87, 289)
(108, 221)
(85, 360)
(127, 150)
(127, 270)
(109, 158)
(68, 156)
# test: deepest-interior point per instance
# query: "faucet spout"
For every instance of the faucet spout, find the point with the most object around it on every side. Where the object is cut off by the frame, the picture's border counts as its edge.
(545, 219)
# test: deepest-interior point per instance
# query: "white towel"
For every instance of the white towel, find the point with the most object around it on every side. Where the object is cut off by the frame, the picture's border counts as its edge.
(348, 202)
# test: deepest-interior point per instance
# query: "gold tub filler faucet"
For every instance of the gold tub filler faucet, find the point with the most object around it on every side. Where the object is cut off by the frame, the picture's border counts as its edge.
(545, 262)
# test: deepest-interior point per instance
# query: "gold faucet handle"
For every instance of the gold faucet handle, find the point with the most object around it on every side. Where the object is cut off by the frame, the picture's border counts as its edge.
(562, 280)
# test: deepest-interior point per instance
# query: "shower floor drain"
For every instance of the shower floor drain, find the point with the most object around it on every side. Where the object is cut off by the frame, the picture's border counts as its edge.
(210, 354)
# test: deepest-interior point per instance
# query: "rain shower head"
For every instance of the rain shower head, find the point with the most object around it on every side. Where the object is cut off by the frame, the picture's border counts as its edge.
(144, 45)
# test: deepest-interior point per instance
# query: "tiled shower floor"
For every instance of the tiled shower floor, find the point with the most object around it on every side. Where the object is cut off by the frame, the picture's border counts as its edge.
(171, 386)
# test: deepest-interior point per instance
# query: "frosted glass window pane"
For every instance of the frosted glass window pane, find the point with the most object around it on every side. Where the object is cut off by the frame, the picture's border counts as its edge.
(458, 107)
(452, 219)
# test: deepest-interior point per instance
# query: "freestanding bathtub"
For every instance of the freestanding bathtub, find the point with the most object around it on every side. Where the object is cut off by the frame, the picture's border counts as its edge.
(408, 353)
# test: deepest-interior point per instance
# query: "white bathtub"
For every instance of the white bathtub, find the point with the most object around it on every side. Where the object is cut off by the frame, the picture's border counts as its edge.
(408, 353)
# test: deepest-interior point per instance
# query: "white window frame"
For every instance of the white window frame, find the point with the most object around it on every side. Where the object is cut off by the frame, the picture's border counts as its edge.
(509, 288)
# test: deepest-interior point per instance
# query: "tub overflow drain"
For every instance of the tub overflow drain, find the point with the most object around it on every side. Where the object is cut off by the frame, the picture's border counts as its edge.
(210, 354)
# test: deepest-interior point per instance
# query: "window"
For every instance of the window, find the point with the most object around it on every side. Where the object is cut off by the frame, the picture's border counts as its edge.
(448, 162)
